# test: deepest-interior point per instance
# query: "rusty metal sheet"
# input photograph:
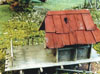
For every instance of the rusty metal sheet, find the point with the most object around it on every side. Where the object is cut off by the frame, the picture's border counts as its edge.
(96, 34)
(72, 37)
(72, 22)
(79, 21)
(49, 25)
(65, 39)
(89, 37)
(49, 40)
(80, 37)
(89, 24)
(68, 12)
(57, 40)
(65, 23)
(58, 24)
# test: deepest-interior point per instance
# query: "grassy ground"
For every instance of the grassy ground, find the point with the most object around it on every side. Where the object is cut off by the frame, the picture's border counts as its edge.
(5, 14)
(61, 4)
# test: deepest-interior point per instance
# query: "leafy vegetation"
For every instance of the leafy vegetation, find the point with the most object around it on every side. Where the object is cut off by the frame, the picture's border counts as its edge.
(96, 18)
(23, 29)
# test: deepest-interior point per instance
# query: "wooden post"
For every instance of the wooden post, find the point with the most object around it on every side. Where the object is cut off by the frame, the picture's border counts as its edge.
(90, 49)
(41, 69)
(32, 41)
(21, 72)
(62, 67)
(89, 66)
(75, 55)
(11, 52)
(0, 72)
(11, 48)
(57, 55)
(27, 41)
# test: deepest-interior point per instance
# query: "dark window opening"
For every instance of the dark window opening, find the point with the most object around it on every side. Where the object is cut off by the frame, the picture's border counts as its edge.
(66, 20)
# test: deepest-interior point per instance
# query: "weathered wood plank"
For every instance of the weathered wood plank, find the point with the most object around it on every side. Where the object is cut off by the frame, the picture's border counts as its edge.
(72, 22)
(89, 24)
(49, 25)
(58, 24)
(65, 23)
(79, 21)
(80, 37)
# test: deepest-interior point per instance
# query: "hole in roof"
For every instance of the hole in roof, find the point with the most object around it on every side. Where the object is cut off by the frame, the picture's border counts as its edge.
(66, 20)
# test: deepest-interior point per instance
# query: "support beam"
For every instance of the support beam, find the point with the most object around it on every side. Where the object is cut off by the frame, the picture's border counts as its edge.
(12, 52)
(57, 56)
(74, 71)
(62, 67)
(75, 55)
(11, 48)
(21, 72)
(41, 69)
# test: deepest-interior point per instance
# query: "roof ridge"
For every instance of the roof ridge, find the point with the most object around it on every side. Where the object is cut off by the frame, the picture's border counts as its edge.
(84, 11)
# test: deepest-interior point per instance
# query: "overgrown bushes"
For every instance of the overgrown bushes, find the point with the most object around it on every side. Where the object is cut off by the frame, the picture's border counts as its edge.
(96, 17)
(23, 29)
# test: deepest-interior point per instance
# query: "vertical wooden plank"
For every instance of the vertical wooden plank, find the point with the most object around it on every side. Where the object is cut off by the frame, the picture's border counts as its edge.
(89, 51)
(72, 37)
(96, 35)
(49, 25)
(57, 55)
(89, 24)
(80, 37)
(72, 22)
(75, 54)
(89, 37)
(58, 24)
(79, 21)
(49, 40)
(57, 40)
(65, 39)
(65, 23)
(41, 69)
(89, 66)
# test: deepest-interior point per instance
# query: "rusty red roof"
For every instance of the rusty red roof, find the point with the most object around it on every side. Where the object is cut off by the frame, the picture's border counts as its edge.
(69, 27)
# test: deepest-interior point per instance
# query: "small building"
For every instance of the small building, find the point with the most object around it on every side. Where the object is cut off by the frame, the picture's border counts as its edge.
(69, 37)
(72, 32)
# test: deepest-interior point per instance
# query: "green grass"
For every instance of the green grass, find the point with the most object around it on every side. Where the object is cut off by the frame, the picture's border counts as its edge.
(5, 14)
(61, 4)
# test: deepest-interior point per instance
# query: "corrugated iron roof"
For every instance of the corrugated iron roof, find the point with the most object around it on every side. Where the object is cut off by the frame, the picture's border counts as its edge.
(70, 27)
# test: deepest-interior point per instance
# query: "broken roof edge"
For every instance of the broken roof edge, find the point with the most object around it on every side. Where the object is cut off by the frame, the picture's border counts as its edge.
(83, 11)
